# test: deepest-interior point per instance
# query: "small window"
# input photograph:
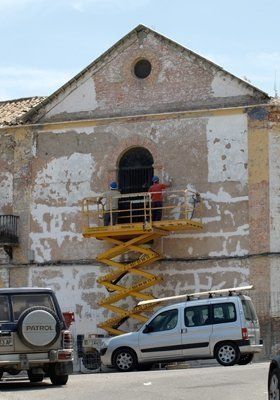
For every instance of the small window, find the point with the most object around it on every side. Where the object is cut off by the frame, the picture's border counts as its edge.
(142, 69)
(249, 311)
(21, 303)
(224, 312)
(164, 321)
(197, 316)
(4, 309)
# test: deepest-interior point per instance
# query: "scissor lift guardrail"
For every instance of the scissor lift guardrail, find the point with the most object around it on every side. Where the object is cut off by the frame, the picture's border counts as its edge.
(134, 231)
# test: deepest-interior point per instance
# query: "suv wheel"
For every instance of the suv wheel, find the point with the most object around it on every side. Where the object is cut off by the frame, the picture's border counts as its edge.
(245, 358)
(227, 354)
(57, 379)
(35, 377)
(274, 384)
(125, 360)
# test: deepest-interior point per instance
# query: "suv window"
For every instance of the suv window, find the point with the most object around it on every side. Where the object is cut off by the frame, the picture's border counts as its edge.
(224, 312)
(21, 302)
(164, 321)
(4, 309)
(197, 315)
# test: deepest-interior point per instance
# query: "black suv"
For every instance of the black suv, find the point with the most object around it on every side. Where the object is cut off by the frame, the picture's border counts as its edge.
(33, 335)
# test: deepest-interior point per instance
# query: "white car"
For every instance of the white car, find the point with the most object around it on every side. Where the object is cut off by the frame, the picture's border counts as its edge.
(225, 328)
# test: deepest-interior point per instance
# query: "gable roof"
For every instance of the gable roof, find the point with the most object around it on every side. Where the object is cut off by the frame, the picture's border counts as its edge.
(31, 115)
(11, 111)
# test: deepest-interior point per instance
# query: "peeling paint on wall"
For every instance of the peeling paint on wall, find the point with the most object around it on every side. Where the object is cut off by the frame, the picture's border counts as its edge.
(65, 179)
(58, 188)
(76, 290)
(227, 149)
(6, 189)
(81, 98)
(4, 277)
(223, 86)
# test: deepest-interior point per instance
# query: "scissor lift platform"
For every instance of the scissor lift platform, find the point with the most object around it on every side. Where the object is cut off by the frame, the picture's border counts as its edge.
(124, 231)
(125, 238)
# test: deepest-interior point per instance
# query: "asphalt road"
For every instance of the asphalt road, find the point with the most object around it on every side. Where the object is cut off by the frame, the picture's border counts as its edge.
(209, 383)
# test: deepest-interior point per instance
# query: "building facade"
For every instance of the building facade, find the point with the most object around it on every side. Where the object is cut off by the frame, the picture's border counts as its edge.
(199, 124)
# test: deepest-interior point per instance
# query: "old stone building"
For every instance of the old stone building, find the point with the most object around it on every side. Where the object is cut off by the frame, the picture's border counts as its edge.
(199, 124)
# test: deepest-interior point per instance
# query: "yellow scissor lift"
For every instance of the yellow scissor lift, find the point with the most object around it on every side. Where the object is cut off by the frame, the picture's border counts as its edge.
(133, 233)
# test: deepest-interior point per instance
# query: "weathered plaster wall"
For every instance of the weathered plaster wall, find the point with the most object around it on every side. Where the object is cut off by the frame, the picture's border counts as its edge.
(209, 152)
(22, 180)
(6, 172)
(274, 181)
(179, 80)
(222, 154)
(258, 166)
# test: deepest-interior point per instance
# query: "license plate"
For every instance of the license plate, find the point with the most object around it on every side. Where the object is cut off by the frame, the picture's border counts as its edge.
(6, 342)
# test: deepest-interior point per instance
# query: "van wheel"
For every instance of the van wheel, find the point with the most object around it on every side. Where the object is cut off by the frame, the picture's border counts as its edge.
(245, 358)
(58, 380)
(227, 354)
(125, 360)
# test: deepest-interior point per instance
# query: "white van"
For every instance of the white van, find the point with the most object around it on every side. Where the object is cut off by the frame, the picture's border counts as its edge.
(225, 328)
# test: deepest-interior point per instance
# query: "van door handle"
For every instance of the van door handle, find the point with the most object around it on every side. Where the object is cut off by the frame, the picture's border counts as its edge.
(184, 330)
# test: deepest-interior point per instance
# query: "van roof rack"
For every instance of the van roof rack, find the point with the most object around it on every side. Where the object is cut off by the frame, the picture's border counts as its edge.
(209, 293)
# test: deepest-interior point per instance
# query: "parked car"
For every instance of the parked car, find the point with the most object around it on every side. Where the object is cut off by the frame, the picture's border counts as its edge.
(225, 328)
(33, 335)
(274, 379)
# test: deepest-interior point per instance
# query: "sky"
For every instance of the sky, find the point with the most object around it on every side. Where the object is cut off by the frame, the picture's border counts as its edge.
(44, 43)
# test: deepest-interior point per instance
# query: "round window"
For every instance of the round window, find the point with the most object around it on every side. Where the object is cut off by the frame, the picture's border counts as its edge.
(142, 68)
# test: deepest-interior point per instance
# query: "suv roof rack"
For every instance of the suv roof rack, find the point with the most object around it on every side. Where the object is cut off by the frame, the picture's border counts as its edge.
(209, 293)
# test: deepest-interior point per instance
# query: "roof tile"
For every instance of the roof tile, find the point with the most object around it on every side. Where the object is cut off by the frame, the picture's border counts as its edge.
(11, 111)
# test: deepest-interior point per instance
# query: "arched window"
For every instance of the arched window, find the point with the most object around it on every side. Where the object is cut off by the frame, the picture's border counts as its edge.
(135, 170)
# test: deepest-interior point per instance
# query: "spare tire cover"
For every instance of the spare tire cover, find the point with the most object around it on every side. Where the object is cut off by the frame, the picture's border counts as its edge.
(39, 327)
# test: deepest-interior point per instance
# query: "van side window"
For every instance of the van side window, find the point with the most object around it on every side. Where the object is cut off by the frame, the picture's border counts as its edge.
(249, 311)
(164, 321)
(4, 309)
(197, 316)
(224, 312)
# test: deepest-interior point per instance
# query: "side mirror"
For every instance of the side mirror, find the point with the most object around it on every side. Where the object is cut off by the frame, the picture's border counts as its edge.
(148, 329)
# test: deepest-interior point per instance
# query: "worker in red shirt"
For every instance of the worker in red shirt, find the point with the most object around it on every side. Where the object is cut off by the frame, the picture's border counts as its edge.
(157, 197)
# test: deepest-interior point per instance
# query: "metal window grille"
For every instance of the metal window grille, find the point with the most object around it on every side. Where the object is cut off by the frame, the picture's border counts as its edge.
(8, 229)
(135, 176)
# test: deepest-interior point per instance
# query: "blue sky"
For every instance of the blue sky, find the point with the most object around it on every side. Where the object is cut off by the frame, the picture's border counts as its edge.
(46, 42)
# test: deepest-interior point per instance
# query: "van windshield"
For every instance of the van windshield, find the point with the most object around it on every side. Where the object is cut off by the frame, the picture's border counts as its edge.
(249, 311)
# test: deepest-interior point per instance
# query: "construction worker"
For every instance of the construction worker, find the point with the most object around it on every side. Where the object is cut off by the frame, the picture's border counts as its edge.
(111, 203)
(157, 197)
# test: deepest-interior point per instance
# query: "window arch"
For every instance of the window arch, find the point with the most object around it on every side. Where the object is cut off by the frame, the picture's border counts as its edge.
(135, 170)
